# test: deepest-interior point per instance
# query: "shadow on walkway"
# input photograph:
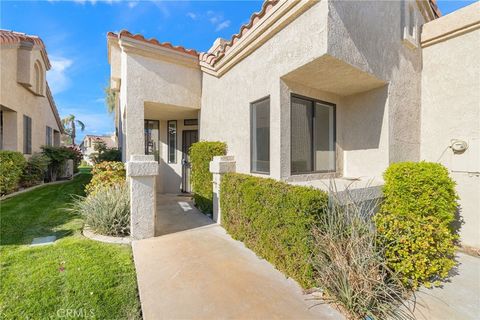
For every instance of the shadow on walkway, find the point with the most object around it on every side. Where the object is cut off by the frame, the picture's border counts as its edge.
(177, 213)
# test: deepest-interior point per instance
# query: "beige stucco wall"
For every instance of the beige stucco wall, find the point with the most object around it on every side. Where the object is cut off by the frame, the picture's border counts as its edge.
(376, 124)
(369, 35)
(23, 102)
(451, 108)
(147, 79)
(225, 114)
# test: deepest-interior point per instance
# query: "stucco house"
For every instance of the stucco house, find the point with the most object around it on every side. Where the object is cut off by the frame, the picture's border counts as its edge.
(88, 144)
(307, 91)
(28, 116)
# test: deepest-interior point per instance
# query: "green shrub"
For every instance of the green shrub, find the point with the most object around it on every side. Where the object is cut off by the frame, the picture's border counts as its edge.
(200, 155)
(106, 174)
(103, 153)
(106, 211)
(350, 267)
(415, 222)
(35, 170)
(12, 164)
(58, 156)
(274, 219)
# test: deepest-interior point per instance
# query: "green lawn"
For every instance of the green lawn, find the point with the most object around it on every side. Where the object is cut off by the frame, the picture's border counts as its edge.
(73, 277)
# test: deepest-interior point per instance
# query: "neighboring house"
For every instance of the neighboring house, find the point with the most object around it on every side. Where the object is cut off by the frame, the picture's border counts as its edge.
(28, 116)
(305, 92)
(88, 144)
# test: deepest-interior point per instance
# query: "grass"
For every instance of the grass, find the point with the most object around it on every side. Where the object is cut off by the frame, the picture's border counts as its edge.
(73, 277)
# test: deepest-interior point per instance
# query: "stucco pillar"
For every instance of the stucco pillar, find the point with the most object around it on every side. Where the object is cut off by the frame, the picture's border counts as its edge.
(142, 171)
(218, 167)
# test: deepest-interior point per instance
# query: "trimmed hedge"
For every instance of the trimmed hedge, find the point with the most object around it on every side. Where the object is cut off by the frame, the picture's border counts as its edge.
(275, 220)
(415, 222)
(106, 174)
(200, 155)
(12, 164)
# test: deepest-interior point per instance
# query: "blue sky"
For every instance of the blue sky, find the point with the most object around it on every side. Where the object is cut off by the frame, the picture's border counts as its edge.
(74, 33)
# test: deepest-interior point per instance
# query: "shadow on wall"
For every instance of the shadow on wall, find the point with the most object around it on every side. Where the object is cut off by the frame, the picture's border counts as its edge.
(363, 115)
(169, 181)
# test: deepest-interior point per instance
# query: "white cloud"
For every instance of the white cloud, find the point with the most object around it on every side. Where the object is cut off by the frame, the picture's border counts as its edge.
(132, 4)
(222, 25)
(218, 20)
(191, 15)
(58, 75)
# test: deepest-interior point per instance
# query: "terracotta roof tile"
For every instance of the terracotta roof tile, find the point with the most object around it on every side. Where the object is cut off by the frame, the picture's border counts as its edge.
(436, 10)
(13, 37)
(212, 58)
(168, 45)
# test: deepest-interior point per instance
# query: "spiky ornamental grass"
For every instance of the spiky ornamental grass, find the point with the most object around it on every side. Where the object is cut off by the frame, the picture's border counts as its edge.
(106, 211)
(350, 267)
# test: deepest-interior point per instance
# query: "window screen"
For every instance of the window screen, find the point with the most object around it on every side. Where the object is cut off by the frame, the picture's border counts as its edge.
(27, 135)
(260, 136)
(312, 136)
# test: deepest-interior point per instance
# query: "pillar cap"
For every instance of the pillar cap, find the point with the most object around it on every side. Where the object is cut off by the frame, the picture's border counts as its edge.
(142, 166)
(223, 164)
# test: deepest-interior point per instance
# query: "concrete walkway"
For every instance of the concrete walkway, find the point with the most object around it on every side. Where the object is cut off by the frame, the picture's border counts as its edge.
(457, 299)
(202, 273)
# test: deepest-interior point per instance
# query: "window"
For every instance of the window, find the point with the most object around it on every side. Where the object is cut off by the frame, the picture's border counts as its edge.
(27, 135)
(172, 141)
(48, 136)
(260, 136)
(56, 138)
(312, 136)
(190, 122)
(152, 138)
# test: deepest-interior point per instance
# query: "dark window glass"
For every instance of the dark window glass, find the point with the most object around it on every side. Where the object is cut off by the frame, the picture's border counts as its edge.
(172, 141)
(190, 122)
(301, 135)
(152, 138)
(312, 136)
(27, 135)
(56, 138)
(260, 136)
(48, 136)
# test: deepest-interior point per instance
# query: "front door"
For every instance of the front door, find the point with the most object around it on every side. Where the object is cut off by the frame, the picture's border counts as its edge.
(189, 137)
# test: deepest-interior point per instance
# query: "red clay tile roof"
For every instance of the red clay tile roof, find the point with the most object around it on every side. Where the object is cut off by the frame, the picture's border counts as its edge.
(213, 57)
(13, 37)
(436, 10)
(168, 45)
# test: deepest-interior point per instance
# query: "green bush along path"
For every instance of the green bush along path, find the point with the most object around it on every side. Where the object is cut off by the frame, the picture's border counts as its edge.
(75, 275)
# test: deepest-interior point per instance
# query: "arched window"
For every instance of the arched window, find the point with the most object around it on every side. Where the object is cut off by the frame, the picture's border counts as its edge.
(39, 78)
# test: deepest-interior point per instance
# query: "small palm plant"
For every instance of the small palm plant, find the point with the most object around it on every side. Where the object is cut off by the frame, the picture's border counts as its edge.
(70, 124)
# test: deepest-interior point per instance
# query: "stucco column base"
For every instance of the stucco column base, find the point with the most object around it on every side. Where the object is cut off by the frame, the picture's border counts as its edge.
(219, 166)
(142, 171)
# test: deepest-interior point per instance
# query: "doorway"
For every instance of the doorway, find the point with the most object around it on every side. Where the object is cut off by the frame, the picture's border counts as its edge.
(189, 137)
